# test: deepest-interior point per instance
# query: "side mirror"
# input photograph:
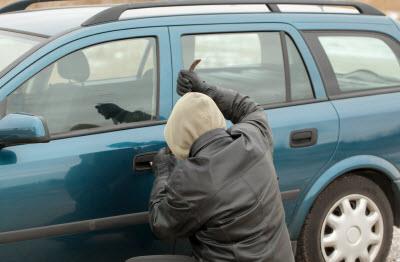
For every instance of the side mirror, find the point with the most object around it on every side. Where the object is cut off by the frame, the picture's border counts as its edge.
(17, 129)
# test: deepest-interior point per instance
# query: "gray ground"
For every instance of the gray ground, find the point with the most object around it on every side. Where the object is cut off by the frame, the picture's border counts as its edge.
(395, 251)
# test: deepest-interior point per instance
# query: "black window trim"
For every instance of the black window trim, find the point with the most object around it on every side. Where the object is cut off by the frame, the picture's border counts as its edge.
(121, 127)
(326, 70)
(282, 34)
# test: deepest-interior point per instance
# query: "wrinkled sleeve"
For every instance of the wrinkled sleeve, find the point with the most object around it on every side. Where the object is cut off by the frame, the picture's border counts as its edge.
(241, 109)
(130, 117)
(171, 216)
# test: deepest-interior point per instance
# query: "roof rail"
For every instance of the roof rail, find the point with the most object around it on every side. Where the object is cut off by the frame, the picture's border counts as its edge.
(22, 5)
(113, 13)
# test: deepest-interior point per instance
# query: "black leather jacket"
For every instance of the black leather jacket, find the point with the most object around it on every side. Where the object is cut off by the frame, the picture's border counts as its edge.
(225, 196)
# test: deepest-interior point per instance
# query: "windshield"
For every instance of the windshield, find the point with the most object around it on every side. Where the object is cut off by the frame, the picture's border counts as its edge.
(13, 46)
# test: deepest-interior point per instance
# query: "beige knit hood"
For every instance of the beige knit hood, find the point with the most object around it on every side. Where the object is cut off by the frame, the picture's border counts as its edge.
(193, 115)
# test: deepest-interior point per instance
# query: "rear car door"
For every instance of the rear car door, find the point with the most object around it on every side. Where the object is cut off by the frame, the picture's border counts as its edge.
(78, 197)
(271, 64)
(362, 75)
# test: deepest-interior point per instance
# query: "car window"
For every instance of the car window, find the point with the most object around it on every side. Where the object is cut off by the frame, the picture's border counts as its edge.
(13, 46)
(224, 50)
(119, 54)
(362, 62)
(299, 80)
(252, 63)
(99, 86)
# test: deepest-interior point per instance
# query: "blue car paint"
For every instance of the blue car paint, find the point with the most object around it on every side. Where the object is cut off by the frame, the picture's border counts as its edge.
(85, 177)
(297, 167)
(336, 170)
(368, 124)
(305, 161)
(22, 126)
(94, 178)
(27, 169)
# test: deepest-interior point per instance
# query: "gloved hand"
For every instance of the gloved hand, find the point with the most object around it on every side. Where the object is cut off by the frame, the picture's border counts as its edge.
(108, 110)
(164, 162)
(190, 82)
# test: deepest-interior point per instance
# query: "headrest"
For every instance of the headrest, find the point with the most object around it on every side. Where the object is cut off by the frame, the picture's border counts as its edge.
(74, 66)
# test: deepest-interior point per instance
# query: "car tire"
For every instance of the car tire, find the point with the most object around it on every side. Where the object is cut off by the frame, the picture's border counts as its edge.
(338, 224)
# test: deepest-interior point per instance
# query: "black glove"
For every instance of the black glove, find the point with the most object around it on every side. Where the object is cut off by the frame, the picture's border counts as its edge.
(190, 82)
(164, 162)
(108, 110)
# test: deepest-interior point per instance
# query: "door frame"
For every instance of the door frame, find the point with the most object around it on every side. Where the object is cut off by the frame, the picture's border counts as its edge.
(163, 53)
(164, 101)
(176, 32)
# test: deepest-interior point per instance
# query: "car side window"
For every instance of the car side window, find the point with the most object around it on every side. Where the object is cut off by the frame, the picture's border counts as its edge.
(103, 85)
(362, 62)
(252, 63)
(299, 79)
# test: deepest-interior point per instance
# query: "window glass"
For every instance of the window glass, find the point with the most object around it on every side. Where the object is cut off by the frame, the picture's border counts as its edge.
(228, 50)
(251, 63)
(300, 82)
(103, 85)
(13, 46)
(362, 62)
(119, 54)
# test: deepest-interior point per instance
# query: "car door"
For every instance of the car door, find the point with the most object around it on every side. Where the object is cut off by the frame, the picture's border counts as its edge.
(270, 63)
(363, 79)
(81, 197)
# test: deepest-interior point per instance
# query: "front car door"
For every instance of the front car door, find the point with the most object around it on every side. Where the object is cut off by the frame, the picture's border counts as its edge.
(78, 197)
(270, 63)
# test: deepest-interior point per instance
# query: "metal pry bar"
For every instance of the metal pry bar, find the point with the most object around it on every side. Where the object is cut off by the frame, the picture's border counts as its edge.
(194, 64)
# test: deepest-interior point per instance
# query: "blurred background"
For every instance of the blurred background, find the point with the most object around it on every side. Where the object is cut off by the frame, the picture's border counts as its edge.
(391, 7)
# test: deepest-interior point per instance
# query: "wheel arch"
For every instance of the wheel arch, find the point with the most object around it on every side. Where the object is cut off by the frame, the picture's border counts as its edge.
(379, 170)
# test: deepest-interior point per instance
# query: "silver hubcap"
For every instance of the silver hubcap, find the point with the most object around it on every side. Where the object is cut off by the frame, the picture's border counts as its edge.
(352, 230)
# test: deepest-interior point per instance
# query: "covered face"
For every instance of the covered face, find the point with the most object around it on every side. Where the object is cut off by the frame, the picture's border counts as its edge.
(193, 115)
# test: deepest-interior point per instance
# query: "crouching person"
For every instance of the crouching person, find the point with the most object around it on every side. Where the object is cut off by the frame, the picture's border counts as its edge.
(218, 187)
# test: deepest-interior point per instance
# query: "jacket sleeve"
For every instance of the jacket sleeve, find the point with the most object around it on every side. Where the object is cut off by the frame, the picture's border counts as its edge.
(130, 117)
(240, 109)
(171, 216)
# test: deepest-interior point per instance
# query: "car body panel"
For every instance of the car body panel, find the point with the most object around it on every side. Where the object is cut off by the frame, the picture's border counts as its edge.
(296, 167)
(91, 177)
(30, 175)
(289, 162)
(334, 171)
(81, 177)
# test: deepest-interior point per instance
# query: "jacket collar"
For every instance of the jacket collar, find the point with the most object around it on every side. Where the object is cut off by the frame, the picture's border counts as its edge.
(206, 139)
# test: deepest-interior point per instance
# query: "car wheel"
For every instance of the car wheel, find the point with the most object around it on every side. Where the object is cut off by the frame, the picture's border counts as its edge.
(351, 221)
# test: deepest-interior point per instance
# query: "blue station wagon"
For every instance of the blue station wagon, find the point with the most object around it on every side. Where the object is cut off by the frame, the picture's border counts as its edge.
(74, 183)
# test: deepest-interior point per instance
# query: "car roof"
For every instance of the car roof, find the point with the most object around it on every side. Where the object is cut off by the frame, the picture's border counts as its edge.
(52, 22)
(48, 22)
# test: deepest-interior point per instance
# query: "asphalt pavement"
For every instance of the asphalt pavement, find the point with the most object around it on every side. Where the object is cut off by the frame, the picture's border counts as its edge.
(395, 251)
